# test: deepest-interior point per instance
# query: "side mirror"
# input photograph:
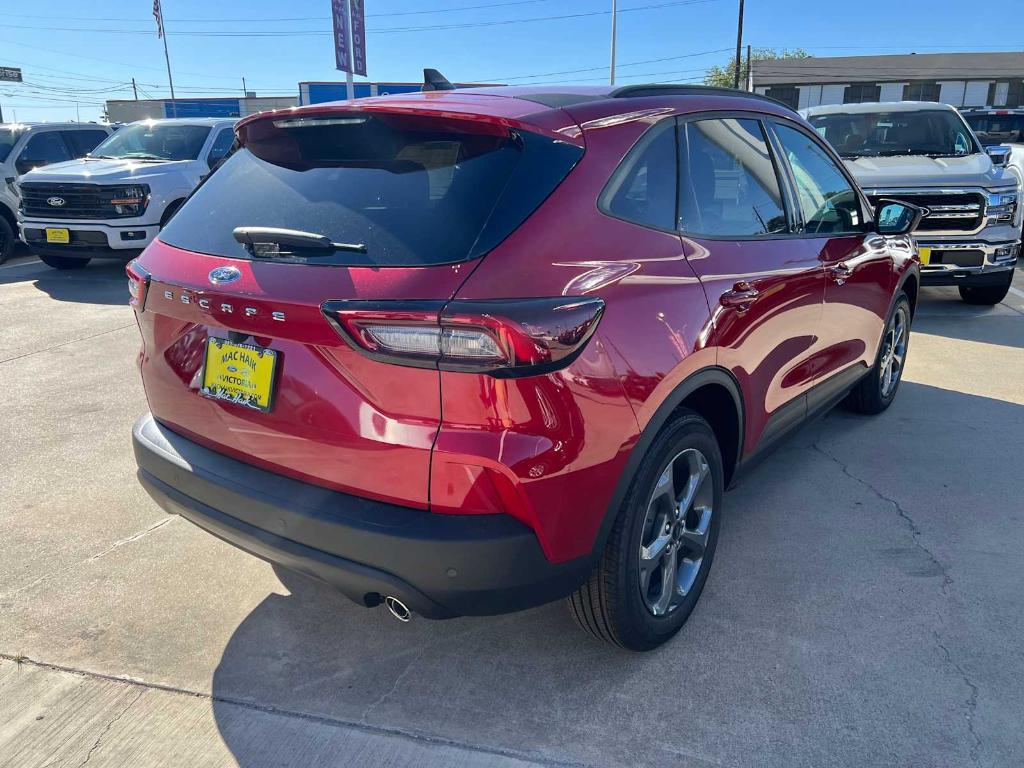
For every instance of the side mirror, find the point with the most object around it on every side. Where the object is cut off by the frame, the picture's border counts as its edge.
(999, 154)
(895, 217)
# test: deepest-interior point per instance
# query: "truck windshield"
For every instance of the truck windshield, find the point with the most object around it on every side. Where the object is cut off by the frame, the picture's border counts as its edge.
(8, 138)
(995, 129)
(932, 132)
(155, 141)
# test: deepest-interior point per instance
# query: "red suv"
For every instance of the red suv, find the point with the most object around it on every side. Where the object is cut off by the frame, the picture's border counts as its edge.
(466, 352)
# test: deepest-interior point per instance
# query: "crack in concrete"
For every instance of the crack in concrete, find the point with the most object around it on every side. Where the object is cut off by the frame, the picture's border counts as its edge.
(64, 344)
(972, 699)
(337, 722)
(398, 681)
(109, 725)
(947, 581)
(91, 558)
(915, 530)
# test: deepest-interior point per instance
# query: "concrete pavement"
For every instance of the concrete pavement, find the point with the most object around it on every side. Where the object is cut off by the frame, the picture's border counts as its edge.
(865, 607)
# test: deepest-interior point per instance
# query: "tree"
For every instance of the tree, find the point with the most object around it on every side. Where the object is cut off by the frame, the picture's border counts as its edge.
(723, 76)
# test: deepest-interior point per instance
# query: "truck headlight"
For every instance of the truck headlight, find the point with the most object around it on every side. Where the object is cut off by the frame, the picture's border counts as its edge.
(130, 200)
(1002, 206)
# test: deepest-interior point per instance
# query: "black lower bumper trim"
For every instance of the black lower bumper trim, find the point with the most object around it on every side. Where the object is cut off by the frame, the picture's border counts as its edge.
(439, 565)
(973, 279)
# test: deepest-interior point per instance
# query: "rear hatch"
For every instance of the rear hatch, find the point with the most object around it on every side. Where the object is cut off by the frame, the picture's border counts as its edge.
(385, 206)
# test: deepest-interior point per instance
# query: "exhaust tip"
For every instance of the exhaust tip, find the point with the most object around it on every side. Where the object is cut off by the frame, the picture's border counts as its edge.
(398, 609)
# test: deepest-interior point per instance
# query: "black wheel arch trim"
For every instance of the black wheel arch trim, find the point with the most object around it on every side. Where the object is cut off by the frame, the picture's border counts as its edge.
(709, 375)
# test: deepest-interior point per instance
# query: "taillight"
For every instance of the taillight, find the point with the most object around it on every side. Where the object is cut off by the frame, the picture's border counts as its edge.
(138, 285)
(507, 337)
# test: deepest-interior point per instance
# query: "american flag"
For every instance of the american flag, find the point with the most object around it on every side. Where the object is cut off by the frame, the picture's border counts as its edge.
(159, 15)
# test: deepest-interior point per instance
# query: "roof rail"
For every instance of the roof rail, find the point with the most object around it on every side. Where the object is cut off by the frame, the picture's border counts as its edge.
(668, 89)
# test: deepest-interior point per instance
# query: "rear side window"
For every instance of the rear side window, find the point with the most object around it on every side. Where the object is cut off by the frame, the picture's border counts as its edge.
(728, 183)
(414, 190)
(643, 189)
(83, 142)
(827, 200)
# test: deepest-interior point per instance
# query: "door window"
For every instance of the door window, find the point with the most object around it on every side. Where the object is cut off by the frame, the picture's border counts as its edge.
(827, 201)
(728, 183)
(83, 142)
(221, 146)
(643, 189)
(42, 149)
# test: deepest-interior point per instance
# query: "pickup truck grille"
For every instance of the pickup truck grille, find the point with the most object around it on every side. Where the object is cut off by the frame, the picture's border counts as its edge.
(947, 212)
(81, 201)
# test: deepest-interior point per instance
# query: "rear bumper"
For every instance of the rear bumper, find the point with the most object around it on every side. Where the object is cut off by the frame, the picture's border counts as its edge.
(439, 565)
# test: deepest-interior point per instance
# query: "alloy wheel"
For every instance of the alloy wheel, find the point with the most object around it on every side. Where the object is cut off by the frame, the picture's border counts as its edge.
(894, 351)
(675, 531)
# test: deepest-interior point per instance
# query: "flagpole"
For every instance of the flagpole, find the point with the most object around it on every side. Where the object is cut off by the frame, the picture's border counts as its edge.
(158, 11)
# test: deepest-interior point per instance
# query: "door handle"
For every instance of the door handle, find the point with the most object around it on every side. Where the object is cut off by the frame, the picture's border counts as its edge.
(840, 272)
(741, 296)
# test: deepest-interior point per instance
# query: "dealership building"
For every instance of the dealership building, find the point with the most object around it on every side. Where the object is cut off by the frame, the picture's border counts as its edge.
(958, 79)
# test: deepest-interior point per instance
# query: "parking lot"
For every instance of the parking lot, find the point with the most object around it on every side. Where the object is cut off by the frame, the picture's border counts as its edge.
(866, 605)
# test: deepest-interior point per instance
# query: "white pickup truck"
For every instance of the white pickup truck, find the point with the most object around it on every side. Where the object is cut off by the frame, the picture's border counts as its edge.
(924, 153)
(112, 202)
(24, 146)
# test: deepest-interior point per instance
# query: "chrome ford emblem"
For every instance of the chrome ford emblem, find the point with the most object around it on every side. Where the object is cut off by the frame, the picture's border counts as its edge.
(222, 275)
(56, 202)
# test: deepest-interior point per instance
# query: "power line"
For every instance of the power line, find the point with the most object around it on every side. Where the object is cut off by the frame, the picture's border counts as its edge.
(598, 69)
(326, 32)
(235, 20)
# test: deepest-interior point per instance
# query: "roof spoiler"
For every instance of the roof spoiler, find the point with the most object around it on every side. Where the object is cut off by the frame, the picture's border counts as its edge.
(435, 81)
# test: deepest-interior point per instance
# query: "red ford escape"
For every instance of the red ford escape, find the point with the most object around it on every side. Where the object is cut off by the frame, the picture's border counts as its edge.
(469, 351)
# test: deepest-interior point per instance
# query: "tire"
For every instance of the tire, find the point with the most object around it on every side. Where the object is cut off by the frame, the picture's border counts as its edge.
(7, 240)
(986, 295)
(876, 391)
(618, 603)
(63, 262)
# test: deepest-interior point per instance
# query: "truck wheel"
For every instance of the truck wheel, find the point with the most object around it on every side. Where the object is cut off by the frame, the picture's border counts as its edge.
(876, 391)
(63, 262)
(7, 240)
(986, 294)
(659, 551)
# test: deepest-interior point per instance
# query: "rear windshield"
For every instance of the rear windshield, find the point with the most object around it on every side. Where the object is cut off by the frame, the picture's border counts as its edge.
(413, 191)
(931, 132)
(995, 129)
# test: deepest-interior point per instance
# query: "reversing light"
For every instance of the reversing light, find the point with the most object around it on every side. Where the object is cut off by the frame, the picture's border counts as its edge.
(138, 285)
(504, 338)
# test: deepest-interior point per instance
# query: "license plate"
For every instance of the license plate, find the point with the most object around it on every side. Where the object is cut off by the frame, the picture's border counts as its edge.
(239, 373)
(61, 236)
(925, 254)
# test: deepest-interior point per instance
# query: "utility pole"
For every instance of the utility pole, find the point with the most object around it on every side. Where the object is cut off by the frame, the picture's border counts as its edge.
(749, 85)
(135, 90)
(739, 46)
(611, 76)
(245, 91)
(350, 88)
(78, 117)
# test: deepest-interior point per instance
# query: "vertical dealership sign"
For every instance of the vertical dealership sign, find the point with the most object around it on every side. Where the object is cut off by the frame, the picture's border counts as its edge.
(358, 37)
(342, 57)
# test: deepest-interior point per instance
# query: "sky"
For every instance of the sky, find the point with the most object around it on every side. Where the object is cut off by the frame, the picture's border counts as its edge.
(74, 55)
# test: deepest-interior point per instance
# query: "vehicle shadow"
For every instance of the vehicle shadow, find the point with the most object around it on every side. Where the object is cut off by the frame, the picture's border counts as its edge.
(940, 312)
(793, 635)
(99, 282)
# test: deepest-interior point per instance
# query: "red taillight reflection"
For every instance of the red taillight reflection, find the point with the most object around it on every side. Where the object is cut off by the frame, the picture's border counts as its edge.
(138, 285)
(508, 337)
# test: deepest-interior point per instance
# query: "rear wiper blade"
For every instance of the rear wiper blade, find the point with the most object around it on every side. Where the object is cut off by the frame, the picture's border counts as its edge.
(253, 236)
